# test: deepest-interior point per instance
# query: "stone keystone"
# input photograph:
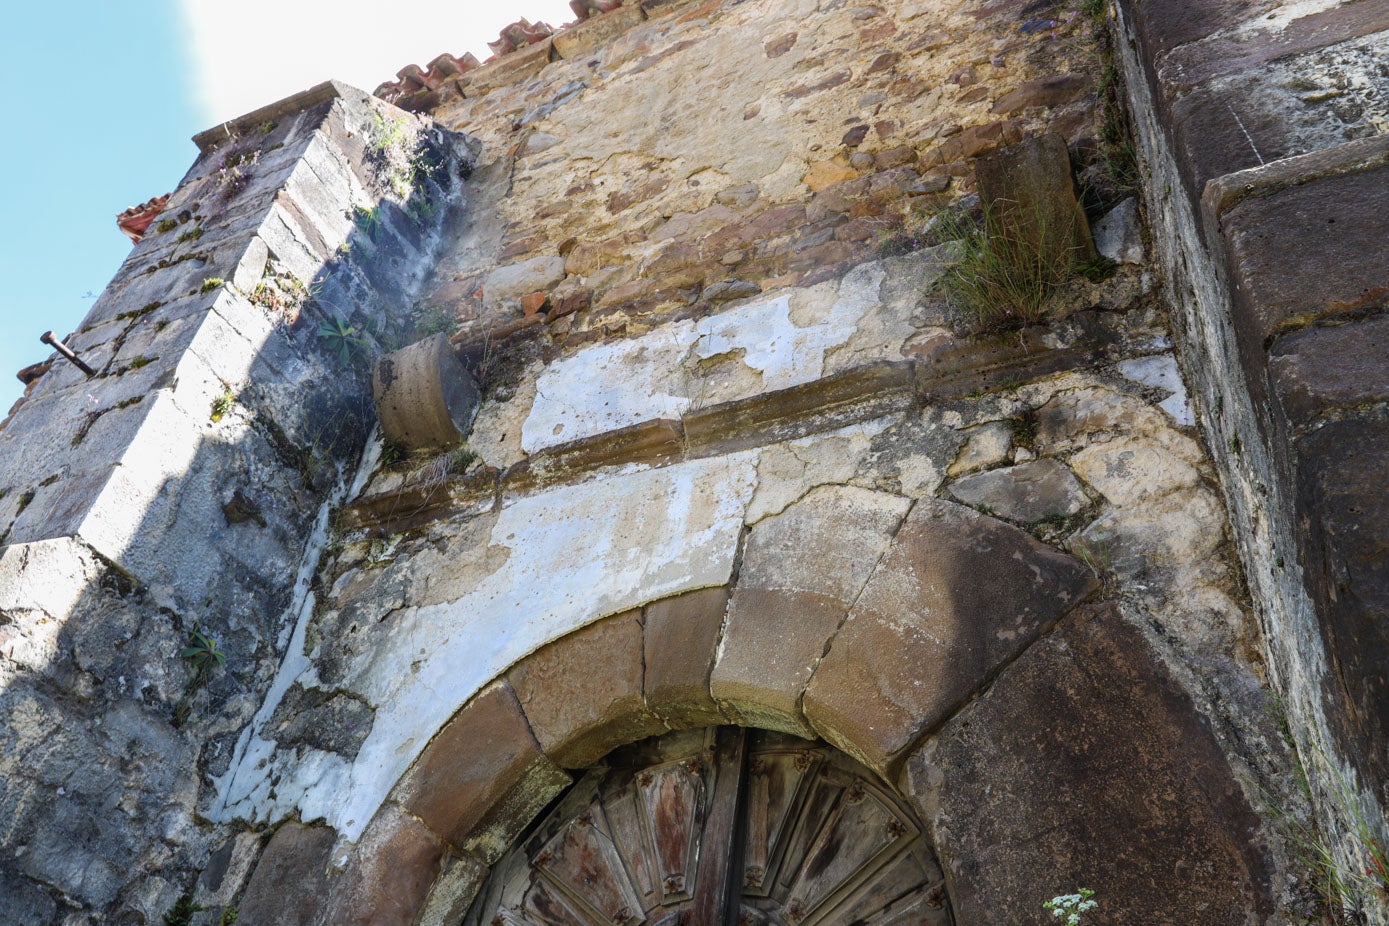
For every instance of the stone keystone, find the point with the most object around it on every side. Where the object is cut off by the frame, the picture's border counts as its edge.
(958, 596)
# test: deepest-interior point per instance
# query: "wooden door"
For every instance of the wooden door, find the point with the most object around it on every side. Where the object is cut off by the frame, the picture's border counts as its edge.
(720, 826)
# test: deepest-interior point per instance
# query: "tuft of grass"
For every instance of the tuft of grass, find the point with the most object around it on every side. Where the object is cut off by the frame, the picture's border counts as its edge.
(212, 283)
(1006, 278)
(166, 225)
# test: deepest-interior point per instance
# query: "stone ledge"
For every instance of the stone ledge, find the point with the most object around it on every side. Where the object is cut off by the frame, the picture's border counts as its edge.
(855, 395)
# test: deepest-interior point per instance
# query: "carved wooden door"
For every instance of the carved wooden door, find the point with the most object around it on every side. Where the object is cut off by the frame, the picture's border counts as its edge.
(720, 826)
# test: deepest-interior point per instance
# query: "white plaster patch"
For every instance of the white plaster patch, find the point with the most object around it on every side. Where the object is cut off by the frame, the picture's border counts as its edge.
(577, 553)
(1161, 372)
(610, 386)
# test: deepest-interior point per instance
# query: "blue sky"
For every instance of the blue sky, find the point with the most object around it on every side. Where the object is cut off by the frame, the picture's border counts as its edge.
(105, 96)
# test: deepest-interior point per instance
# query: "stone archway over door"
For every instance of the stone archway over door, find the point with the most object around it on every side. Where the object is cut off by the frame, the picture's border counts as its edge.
(721, 826)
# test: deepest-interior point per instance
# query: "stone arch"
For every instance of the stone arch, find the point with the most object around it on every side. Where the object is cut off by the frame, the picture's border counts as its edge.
(872, 623)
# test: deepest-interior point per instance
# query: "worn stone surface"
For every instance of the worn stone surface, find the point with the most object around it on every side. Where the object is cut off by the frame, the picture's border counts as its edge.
(1028, 492)
(1087, 764)
(956, 597)
(1280, 265)
(680, 637)
(1118, 235)
(481, 775)
(1319, 370)
(389, 874)
(292, 877)
(802, 571)
(1344, 512)
(583, 693)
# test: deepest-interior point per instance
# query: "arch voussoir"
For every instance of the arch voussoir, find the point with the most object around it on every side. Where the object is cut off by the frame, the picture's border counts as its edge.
(957, 596)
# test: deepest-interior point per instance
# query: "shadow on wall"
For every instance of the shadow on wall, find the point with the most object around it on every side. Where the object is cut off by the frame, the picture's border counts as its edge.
(165, 515)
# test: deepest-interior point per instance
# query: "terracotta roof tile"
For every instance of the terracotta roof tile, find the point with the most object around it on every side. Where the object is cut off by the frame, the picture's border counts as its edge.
(136, 220)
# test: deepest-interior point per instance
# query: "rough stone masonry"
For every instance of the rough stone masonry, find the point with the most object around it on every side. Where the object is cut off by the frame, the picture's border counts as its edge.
(1091, 595)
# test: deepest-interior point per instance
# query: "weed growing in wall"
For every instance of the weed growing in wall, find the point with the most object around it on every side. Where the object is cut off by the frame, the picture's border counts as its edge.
(1006, 278)
(343, 339)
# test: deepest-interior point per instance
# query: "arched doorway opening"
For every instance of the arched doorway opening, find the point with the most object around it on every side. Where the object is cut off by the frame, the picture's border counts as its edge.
(722, 825)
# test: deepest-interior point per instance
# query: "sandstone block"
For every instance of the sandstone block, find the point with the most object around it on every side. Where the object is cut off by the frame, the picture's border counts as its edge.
(802, 570)
(681, 635)
(1052, 90)
(580, 38)
(1341, 500)
(291, 878)
(1030, 196)
(1087, 764)
(583, 693)
(1320, 369)
(957, 596)
(483, 777)
(1281, 245)
(389, 874)
(1027, 493)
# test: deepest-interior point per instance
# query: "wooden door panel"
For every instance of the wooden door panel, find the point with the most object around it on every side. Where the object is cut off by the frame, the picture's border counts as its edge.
(721, 827)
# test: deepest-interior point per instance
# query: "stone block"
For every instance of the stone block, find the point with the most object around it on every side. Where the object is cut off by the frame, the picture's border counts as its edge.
(1317, 370)
(508, 69)
(583, 693)
(802, 570)
(681, 635)
(1052, 90)
(1280, 246)
(1029, 198)
(1087, 764)
(453, 892)
(957, 597)
(389, 874)
(291, 882)
(483, 777)
(1343, 511)
(580, 38)
(506, 286)
(1026, 493)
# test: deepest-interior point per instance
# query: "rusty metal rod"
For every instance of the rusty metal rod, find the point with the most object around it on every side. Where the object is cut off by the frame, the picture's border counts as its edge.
(48, 338)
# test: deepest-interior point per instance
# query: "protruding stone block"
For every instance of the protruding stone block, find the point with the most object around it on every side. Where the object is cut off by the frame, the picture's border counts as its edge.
(425, 398)
(1030, 198)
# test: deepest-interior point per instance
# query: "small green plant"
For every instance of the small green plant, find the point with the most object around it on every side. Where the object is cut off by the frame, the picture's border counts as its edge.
(392, 133)
(212, 283)
(193, 234)
(222, 404)
(229, 915)
(437, 319)
(1344, 890)
(1024, 427)
(202, 653)
(392, 453)
(368, 220)
(1006, 277)
(1069, 907)
(343, 339)
(140, 361)
(182, 912)
(166, 225)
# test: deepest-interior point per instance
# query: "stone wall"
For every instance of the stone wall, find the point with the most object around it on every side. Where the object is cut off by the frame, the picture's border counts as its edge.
(1263, 130)
(179, 491)
(741, 458)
